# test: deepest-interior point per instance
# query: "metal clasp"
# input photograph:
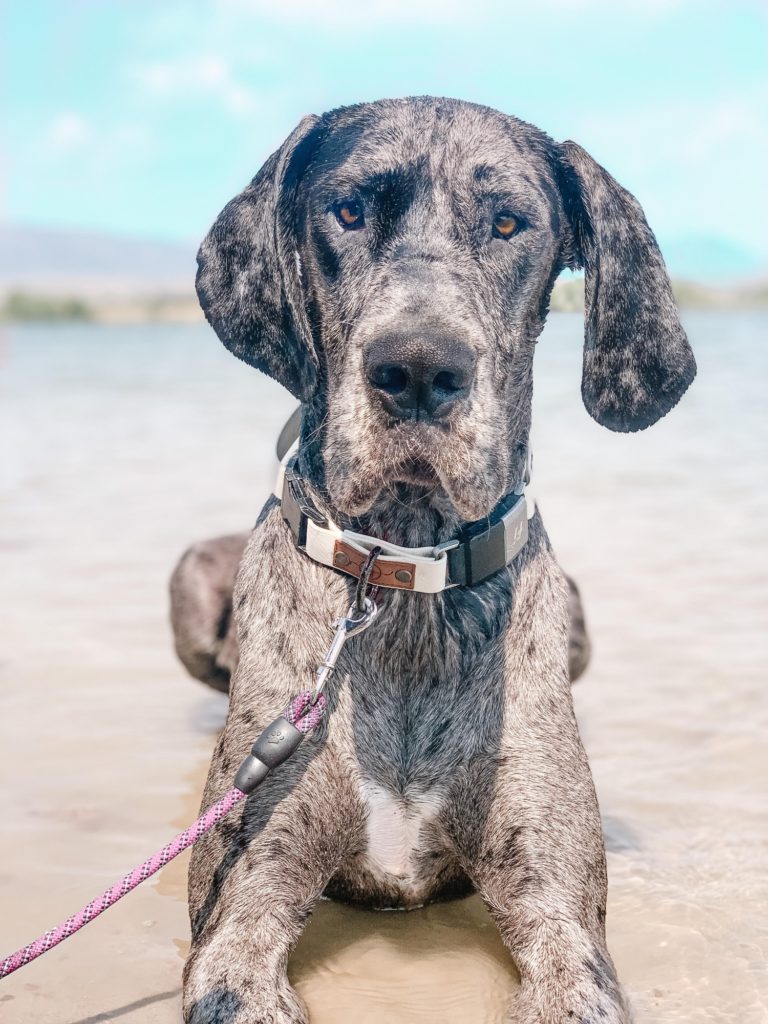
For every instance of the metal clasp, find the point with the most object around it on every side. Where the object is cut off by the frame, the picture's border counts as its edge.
(350, 625)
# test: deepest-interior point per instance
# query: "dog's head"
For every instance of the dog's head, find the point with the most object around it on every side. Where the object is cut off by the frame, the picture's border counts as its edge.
(391, 265)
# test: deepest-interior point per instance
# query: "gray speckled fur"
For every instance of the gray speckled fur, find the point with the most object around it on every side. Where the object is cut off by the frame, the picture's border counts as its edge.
(462, 698)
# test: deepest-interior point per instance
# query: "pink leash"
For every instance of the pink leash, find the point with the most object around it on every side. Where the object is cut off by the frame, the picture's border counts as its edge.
(275, 745)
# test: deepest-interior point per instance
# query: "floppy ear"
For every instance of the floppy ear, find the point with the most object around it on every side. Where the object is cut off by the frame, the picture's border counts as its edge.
(637, 360)
(248, 278)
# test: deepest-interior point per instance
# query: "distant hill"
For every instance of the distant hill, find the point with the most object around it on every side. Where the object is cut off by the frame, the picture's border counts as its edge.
(55, 274)
(58, 261)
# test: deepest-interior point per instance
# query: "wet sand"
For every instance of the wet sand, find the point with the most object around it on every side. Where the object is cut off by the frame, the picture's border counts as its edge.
(120, 445)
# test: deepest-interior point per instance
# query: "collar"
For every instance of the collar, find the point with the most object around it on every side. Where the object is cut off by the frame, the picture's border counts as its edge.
(480, 550)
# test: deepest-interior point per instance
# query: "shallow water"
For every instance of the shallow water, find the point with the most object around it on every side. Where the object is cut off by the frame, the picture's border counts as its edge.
(120, 445)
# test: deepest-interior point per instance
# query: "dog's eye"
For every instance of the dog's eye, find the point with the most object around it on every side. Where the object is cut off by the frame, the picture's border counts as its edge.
(349, 213)
(505, 225)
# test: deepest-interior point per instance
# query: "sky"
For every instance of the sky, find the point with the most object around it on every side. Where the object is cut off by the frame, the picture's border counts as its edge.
(146, 117)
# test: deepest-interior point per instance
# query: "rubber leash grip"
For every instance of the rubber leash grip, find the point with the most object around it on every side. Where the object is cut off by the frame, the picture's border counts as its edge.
(275, 745)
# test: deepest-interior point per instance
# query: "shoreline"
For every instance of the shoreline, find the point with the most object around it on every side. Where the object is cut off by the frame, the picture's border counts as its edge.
(28, 305)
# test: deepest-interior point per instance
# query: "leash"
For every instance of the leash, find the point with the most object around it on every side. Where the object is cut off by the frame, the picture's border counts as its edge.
(274, 746)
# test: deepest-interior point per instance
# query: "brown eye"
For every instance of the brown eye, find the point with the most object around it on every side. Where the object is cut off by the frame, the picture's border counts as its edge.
(505, 225)
(349, 213)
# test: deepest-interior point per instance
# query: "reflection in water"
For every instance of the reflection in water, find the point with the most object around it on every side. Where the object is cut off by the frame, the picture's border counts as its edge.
(445, 962)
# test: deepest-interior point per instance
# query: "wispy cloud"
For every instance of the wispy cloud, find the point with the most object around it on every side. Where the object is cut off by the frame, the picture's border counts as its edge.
(84, 149)
(648, 8)
(733, 121)
(346, 12)
(68, 131)
(195, 76)
(354, 14)
(692, 161)
(687, 132)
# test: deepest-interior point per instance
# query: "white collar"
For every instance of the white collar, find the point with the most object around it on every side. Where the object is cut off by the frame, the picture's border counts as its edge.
(482, 549)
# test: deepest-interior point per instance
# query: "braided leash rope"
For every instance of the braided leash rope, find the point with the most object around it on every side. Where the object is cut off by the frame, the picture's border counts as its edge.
(139, 874)
(304, 713)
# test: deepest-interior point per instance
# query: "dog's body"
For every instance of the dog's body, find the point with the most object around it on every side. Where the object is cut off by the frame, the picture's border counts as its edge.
(391, 265)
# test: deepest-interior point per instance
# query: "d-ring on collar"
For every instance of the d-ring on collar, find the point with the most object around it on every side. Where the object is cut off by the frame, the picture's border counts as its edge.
(480, 550)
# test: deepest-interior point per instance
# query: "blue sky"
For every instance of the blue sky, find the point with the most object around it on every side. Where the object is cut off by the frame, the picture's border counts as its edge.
(146, 117)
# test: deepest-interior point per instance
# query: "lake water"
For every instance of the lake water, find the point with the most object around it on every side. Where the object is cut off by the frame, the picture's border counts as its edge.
(122, 444)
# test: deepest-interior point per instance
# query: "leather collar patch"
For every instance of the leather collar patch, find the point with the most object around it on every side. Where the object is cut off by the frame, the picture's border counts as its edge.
(398, 575)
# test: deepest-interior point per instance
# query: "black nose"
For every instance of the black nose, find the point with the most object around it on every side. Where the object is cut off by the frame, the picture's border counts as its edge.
(419, 375)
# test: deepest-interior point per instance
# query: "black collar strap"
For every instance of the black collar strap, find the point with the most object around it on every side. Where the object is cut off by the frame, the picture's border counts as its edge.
(481, 548)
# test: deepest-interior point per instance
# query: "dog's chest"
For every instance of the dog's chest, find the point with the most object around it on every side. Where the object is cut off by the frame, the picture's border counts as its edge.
(395, 830)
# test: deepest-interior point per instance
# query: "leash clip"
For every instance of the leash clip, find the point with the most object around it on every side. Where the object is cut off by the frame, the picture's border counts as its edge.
(351, 624)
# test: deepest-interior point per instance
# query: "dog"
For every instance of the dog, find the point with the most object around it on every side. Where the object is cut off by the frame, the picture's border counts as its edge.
(391, 265)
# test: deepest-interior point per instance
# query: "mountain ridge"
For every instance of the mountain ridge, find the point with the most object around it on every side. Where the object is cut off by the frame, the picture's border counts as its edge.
(92, 264)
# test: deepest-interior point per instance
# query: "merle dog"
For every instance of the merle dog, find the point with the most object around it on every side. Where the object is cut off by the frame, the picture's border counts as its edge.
(391, 265)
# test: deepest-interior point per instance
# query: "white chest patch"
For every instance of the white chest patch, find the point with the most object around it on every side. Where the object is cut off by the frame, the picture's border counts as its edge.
(394, 827)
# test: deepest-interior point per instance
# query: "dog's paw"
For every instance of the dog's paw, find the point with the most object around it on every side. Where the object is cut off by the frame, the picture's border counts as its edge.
(554, 1005)
(223, 1005)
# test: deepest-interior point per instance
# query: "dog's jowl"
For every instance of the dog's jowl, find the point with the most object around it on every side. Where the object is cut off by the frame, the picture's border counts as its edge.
(391, 265)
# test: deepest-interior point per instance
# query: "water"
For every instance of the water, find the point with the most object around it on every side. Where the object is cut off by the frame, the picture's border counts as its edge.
(122, 444)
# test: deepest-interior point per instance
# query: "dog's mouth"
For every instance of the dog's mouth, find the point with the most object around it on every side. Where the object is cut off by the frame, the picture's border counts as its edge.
(415, 471)
(415, 466)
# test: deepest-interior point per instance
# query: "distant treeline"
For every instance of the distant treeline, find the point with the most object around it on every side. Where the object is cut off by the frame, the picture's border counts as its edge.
(23, 306)
(567, 297)
(34, 306)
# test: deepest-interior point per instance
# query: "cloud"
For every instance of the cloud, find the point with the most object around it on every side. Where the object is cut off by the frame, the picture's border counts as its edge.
(68, 131)
(440, 13)
(349, 12)
(646, 9)
(691, 162)
(731, 121)
(687, 132)
(203, 75)
(85, 150)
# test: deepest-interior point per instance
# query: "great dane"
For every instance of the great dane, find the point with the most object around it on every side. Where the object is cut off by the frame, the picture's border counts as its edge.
(391, 265)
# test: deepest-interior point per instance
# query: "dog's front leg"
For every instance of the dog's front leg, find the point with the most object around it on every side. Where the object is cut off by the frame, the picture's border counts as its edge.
(253, 885)
(529, 834)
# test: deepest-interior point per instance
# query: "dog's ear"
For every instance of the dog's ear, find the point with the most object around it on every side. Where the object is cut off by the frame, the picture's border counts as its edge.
(248, 274)
(637, 360)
